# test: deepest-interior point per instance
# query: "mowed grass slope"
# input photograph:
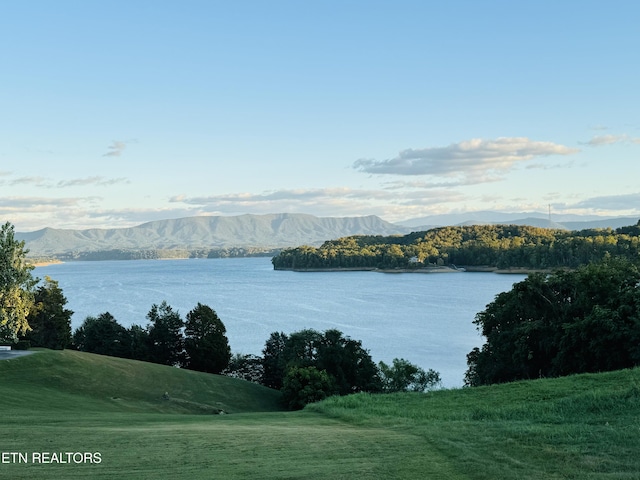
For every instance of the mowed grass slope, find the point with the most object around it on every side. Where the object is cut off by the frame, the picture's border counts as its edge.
(45, 379)
(585, 426)
(582, 426)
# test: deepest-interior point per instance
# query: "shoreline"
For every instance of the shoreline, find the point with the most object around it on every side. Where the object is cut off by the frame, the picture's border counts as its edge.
(47, 263)
(424, 270)
(375, 269)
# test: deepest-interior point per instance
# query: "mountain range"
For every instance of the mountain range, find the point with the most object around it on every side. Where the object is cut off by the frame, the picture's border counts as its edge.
(274, 231)
(207, 232)
(534, 219)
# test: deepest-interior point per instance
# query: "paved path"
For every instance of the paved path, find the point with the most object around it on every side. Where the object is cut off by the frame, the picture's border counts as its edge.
(8, 354)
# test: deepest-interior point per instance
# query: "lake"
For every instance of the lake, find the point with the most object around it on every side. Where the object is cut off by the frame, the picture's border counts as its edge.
(424, 318)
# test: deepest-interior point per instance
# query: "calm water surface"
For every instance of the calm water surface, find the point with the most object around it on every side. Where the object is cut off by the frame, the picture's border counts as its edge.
(424, 318)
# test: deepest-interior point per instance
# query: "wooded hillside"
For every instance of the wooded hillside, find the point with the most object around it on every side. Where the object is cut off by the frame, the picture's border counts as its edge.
(501, 246)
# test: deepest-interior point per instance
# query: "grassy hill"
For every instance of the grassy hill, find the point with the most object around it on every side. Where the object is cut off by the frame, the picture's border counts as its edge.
(585, 426)
(101, 383)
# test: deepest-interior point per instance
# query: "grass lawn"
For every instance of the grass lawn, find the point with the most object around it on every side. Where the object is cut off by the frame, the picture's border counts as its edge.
(585, 426)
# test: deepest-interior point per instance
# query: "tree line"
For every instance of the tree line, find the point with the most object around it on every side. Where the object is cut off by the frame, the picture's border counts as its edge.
(197, 343)
(500, 246)
(306, 366)
(583, 320)
(167, 253)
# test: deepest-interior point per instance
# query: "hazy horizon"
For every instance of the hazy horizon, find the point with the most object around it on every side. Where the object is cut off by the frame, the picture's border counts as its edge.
(447, 219)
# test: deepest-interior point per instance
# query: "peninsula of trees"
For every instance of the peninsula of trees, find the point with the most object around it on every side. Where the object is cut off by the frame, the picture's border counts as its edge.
(479, 246)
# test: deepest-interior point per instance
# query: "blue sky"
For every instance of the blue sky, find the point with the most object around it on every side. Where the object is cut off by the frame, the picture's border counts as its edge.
(116, 113)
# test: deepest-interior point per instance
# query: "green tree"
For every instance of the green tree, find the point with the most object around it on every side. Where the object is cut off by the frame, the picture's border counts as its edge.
(349, 366)
(273, 360)
(247, 367)
(166, 342)
(102, 335)
(604, 331)
(16, 286)
(137, 343)
(304, 385)
(50, 322)
(521, 327)
(302, 349)
(206, 345)
(586, 320)
(348, 363)
(403, 376)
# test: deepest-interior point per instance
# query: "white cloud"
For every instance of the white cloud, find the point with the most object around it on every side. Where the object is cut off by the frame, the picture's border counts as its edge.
(38, 181)
(474, 161)
(33, 213)
(339, 201)
(398, 185)
(629, 202)
(38, 204)
(44, 182)
(600, 140)
(297, 195)
(117, 147)
(96, 180)
(544, 166)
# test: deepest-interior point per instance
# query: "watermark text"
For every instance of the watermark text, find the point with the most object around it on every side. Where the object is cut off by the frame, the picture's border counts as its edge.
(72, 458)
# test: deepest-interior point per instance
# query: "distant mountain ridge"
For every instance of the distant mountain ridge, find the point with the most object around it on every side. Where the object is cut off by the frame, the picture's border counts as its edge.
(273, 231)
(533, 219)
(207, 232)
